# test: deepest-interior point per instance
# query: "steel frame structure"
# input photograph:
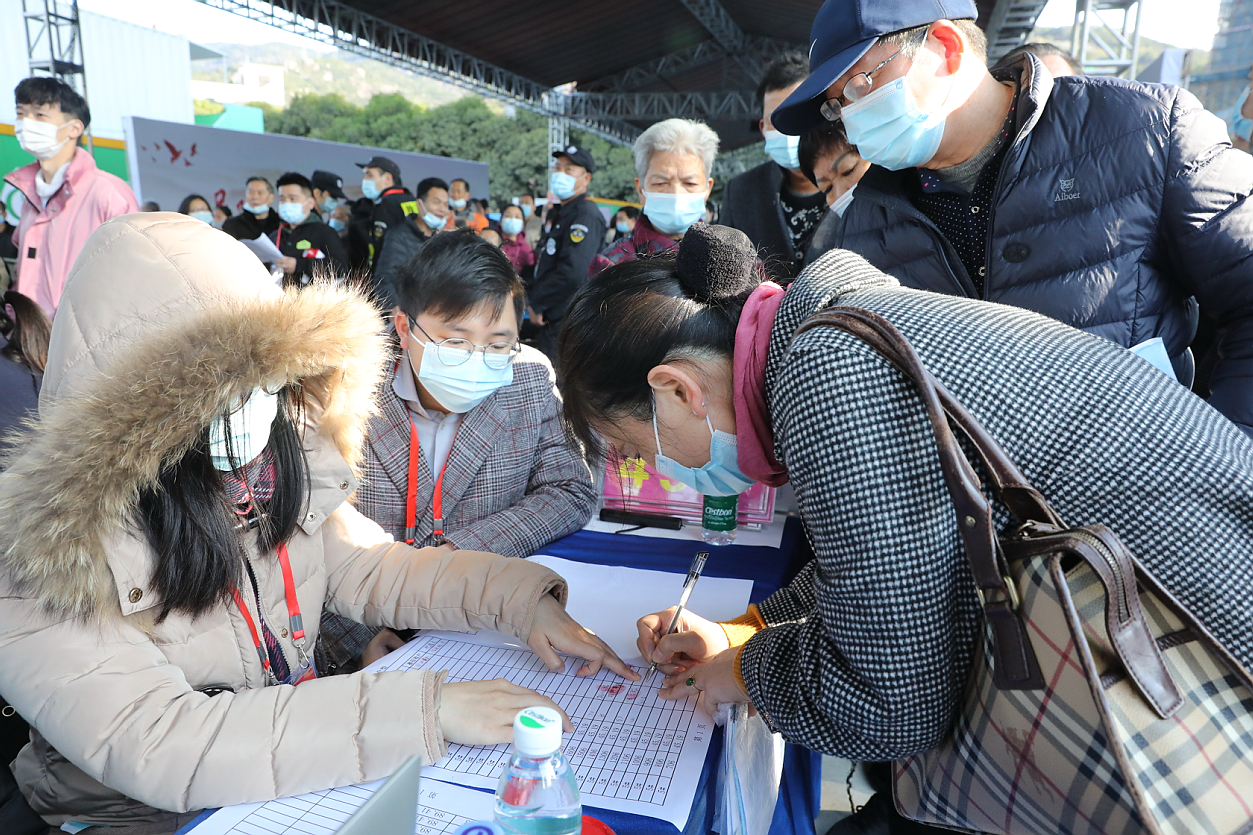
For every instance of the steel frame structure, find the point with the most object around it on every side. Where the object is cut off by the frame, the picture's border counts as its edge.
(54, 45)
(1010, 25)
(1091, 29)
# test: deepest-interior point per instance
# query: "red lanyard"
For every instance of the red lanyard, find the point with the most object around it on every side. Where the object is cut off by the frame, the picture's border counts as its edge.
(411, 501)
(293, 615)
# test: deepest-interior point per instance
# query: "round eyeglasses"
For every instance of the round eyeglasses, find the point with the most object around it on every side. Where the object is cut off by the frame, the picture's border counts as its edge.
(457, 351)
(860, 85)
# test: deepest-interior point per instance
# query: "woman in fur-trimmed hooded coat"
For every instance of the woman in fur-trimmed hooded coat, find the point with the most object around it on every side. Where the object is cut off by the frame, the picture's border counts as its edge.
(164, 323)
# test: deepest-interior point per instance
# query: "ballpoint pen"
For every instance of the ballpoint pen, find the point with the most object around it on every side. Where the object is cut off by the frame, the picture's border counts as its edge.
(693, 574)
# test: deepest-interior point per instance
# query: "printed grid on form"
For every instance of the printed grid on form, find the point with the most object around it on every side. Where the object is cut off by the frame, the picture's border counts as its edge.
(324, 812)
(626, 742)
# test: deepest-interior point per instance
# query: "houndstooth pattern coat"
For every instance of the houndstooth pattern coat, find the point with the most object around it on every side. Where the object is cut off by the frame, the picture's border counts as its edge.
(513, 482)
(868, 650)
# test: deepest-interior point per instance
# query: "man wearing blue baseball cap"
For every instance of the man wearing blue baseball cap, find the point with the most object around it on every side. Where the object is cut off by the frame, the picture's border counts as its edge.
(1113, 206)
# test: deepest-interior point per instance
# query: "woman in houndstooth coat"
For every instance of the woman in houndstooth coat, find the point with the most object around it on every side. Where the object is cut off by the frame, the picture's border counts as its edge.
(865, 654)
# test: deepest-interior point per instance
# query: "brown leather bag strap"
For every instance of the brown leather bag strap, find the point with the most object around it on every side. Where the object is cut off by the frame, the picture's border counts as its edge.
(1015, 661)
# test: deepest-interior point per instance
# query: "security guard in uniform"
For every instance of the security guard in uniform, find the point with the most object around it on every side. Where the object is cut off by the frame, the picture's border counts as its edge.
(574, 235)
(391, 203)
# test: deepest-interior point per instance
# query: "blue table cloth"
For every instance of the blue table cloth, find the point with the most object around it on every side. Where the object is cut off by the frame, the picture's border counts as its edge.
(769, 569)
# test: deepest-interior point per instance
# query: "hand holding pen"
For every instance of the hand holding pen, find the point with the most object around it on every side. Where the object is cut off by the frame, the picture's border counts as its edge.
(676, 639)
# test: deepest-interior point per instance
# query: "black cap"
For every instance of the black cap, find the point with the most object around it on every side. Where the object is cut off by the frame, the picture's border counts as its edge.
(383, 164)
(843, 31)
(332, 184)
(578, 156)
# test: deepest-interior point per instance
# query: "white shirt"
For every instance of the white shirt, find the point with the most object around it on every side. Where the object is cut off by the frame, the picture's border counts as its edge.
(46, 190)
(436, 430)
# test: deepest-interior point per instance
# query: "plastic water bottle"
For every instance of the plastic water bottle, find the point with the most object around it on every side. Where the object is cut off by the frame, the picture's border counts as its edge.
(538, 792)
(717, 519)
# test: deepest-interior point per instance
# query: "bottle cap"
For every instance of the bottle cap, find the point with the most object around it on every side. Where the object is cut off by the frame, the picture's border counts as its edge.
(537, 731)
(479, 828)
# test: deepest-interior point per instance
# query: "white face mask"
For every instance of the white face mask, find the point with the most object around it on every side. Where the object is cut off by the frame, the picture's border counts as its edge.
(39, 139)
(841, 203)
(204, 217)
(248, 428)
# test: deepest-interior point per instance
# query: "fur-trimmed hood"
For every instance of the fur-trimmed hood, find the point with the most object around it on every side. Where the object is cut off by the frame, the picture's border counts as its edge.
(164, 321)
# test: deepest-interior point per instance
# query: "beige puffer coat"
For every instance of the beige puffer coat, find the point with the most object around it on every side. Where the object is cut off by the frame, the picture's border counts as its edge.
(164, 322)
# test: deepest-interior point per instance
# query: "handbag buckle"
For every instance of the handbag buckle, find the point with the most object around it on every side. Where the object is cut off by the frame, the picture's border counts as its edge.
(1014, 602)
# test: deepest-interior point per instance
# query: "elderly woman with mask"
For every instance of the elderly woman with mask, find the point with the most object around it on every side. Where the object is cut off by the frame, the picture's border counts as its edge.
(673, 164)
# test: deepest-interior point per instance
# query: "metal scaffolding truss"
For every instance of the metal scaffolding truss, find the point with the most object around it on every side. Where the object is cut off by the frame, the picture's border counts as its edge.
(758, 51)
(643, 106)
(1101, 47)
(719, 23)
(54, 44)
(1010, 25)
(342, 26)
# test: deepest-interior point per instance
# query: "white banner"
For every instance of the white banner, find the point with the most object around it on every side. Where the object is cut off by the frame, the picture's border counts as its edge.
(169, 161)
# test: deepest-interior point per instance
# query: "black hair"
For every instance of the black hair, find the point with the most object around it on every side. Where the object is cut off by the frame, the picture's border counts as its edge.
(292, 178)
(509, 206)
(461, 180)
(1039, 49)
(150, 206)
(27, 331)
(454, 273)
(41, 90)
(185, 207)
(224, 209)
(827, 138)
(259, 179)
(429, 183)
(630, 211)
(191, 525)
(789, 68)
(639, 314)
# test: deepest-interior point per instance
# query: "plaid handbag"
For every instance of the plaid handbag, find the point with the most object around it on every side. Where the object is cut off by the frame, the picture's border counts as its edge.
(1097, 703)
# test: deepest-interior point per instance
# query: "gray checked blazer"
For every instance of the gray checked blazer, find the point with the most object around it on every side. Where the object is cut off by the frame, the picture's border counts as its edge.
(513, 482)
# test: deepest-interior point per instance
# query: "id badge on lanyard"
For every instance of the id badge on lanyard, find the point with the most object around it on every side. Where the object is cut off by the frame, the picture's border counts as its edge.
(303, 671)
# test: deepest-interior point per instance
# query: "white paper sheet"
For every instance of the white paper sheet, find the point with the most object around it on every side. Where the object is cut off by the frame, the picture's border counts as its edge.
(263, 248)
(442, 808)
(609, 599)
(632, 751)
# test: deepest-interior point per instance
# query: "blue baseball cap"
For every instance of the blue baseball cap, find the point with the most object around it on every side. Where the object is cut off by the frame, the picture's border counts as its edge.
(843, 31)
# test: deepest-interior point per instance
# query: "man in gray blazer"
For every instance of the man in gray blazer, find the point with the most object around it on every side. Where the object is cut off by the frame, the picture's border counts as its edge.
(468, 450)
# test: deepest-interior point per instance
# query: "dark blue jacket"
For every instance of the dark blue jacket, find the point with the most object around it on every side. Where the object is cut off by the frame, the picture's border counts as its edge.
(1117, 203)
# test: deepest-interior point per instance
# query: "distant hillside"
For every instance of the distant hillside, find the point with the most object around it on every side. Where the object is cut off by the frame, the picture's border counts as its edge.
(1149, 48)
(355, 78)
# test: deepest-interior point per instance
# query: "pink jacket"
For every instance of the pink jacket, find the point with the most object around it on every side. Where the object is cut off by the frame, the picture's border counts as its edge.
(49, 239)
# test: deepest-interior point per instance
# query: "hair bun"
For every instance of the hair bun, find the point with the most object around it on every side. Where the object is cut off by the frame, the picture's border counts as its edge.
(716, 263)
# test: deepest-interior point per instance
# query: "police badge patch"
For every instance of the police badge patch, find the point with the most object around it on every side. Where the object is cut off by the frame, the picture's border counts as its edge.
(551, 248)
(577, 233)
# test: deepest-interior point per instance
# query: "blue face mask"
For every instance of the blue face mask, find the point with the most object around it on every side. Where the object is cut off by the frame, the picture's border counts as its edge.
(720, 477)
(623, 227)
(562, 184)
(370, 189)
(841, 203)
(459, 388)
(330, 205)
(336, 224)
(256, 210)
(888, 129)
(527, 208)
(511, 225)
(434, 221)
(672, 214)
(206, 217)
(292, 213)
(1241, 126)
(783, 149)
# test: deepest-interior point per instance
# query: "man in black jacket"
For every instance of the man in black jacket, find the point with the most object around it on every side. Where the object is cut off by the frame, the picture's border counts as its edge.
(310, 247)
(574, 236)
(774, 204)
(257, 218)
(380, 182)
(404, 241)
(1110, 205)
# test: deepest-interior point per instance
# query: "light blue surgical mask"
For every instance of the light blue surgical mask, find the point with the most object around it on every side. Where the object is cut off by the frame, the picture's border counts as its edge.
(330, 205)
(623, 227)
(336, 224)
(841, 203)
(673, 214)
(783, 149)
(459, 388)
(292, 213)
(511, 225)
(527, 208)
(888, 129)
(562, 184)
(434, 221)
(204, 217)
(1241, 126)
(370, 188)
(256, 210)
(248, 428)
(457, 203)
(720, 477)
